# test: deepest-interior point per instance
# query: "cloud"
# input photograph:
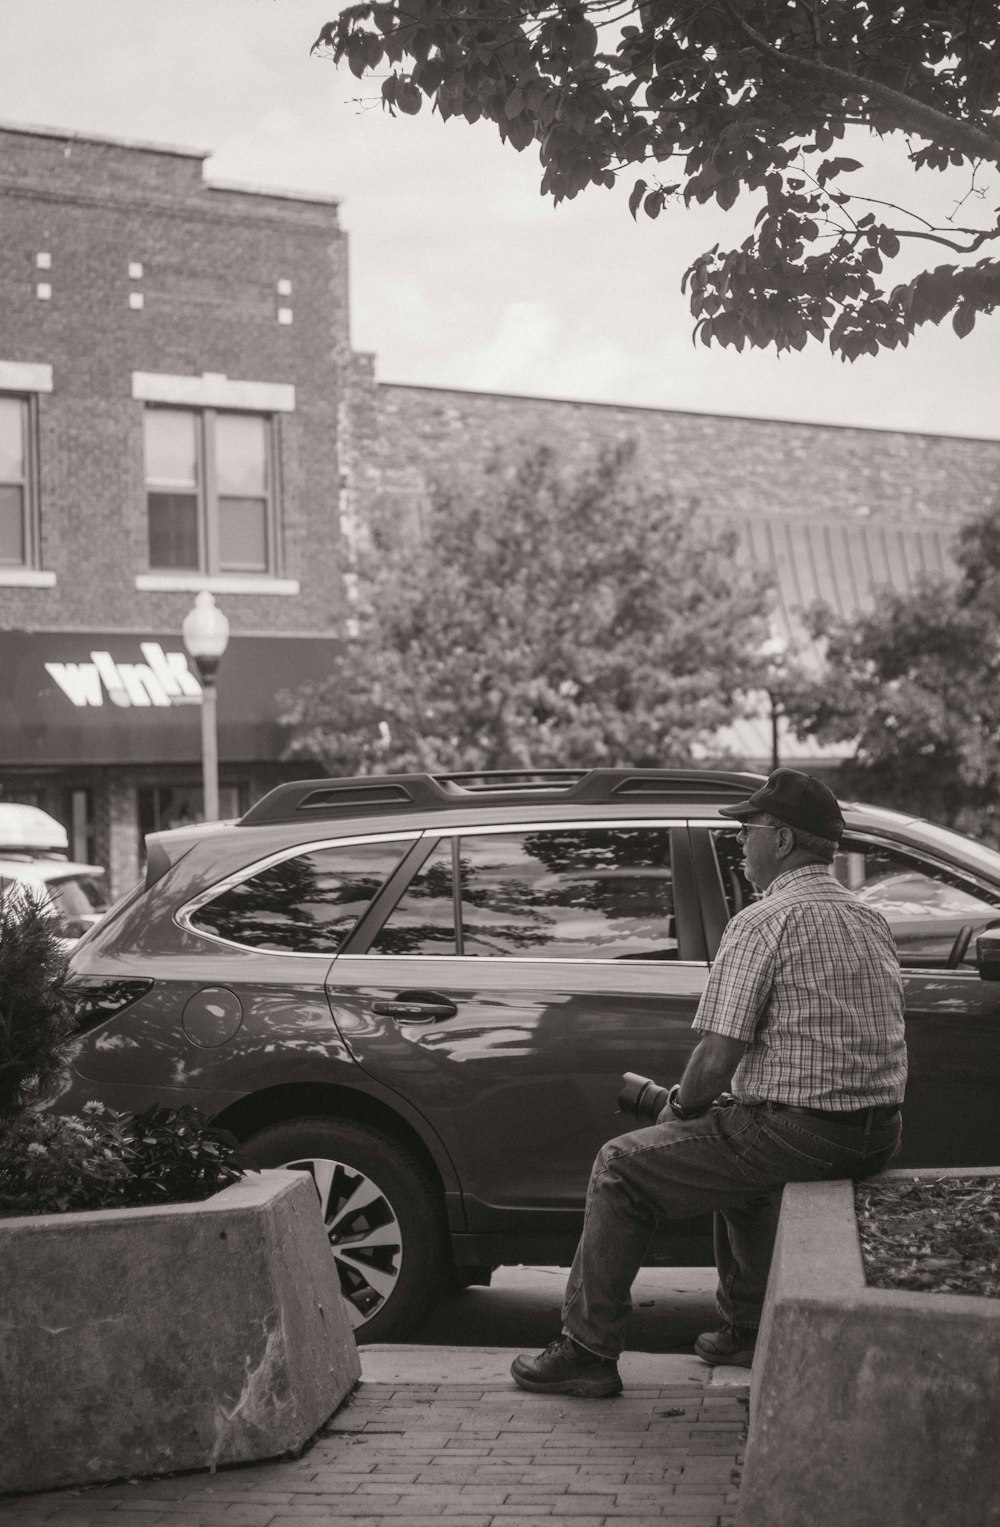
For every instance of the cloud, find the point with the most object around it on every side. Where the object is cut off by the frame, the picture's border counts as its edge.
(527, 337)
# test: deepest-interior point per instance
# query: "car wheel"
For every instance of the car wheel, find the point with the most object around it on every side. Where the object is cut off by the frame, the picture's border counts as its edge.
(383, 1218)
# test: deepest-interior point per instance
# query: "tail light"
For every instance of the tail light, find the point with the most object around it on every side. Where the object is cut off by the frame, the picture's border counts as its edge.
(95, 1000)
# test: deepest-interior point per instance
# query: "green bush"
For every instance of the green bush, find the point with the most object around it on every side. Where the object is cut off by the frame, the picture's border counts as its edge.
(51, 1163)
(36, 1014)
(104, 1160)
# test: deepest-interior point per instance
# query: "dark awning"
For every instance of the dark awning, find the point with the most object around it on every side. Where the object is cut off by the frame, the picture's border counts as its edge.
(105, 697)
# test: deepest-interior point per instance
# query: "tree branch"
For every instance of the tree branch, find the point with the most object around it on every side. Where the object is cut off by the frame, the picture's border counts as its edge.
(927, 120)
(979, 236)
(937, 238)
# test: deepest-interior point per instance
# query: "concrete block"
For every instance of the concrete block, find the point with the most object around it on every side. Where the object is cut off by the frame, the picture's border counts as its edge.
(144, 1341)
(869, 1406)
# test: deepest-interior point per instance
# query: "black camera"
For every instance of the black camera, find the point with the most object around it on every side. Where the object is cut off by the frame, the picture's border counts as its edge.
(642, 1098)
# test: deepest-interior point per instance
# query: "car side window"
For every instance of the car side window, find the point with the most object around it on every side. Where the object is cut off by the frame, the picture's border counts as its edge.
(307, 903)
(729, 856)
(583, 894)
(423, 920)
(933, 913)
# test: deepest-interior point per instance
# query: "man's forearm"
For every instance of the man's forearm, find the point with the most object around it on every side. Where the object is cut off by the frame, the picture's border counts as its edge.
(709, 1070)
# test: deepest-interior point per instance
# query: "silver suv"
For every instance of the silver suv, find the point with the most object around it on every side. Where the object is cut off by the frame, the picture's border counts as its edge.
(424, 991)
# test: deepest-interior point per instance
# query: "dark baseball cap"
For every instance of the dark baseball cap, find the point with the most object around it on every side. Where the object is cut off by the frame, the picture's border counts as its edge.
(797, 799)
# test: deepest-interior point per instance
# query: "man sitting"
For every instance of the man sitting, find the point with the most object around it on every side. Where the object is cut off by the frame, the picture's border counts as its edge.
(803, 1017)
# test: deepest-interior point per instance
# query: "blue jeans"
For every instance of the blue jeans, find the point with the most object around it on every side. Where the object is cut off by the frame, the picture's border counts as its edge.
(734, 1160)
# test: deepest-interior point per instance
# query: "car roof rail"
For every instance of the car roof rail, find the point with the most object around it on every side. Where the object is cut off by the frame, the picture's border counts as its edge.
(372, 794)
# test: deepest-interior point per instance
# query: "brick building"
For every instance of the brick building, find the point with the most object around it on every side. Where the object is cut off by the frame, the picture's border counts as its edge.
(180, 410)
(171, 364)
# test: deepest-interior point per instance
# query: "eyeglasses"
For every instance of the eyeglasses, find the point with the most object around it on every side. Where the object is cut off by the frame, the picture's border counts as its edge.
(741, 836)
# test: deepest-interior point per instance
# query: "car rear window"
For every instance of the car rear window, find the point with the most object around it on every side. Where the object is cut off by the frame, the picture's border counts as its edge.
(307, 903)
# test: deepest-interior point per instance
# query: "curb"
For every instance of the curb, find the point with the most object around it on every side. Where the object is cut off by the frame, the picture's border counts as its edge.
(405, 1363)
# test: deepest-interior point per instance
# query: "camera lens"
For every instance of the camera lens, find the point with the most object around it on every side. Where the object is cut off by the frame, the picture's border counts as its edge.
(641, 1097)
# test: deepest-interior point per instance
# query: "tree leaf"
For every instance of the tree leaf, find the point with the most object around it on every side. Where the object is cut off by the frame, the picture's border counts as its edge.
(964, 319)
(514, 104)
(726, 193)
(408, 97)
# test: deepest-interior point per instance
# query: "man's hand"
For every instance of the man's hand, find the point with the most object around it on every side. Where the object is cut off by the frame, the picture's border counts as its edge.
(709, 1070)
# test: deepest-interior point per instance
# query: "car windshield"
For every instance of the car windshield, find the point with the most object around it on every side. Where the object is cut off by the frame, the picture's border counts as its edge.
(972, 854)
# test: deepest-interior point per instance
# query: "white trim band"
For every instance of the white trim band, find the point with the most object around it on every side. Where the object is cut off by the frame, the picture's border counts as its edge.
(25, 376)
(213, 390)
(313, 198)
(193, 583)
(26, 578)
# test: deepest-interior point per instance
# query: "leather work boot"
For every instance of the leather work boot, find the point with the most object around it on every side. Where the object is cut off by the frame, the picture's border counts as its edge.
(731, 1345)
(564, 1368)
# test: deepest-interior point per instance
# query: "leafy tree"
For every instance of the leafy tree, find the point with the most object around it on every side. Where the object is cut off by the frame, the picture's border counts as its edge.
(716, 97)
(545, 617)
(915, 687)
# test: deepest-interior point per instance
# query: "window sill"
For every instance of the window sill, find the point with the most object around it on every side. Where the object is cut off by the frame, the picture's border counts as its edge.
(26, 578)
(193, 583)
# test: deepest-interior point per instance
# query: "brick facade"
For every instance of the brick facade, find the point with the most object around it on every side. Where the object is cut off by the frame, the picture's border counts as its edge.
(119, 259)
(211, 261)
(737, 468)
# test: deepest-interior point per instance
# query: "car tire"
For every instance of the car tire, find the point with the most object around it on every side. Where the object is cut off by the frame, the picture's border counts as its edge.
(383, 1216)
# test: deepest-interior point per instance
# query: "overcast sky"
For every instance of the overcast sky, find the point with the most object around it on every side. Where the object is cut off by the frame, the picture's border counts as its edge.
(461, 274)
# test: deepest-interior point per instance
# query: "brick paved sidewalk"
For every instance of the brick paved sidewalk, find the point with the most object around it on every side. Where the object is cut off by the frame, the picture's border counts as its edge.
(441, 1435)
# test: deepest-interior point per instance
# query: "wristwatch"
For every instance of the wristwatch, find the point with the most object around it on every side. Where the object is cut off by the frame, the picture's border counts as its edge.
(678, 1110)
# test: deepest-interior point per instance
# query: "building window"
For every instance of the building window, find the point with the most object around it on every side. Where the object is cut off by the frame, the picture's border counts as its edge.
(18, 531)
(210, 491)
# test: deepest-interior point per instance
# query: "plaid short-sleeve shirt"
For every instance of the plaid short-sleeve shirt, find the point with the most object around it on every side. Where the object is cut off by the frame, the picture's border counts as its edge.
(809, 977)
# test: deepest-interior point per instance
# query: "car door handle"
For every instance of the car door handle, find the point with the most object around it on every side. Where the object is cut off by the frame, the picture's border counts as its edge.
(416, 1007)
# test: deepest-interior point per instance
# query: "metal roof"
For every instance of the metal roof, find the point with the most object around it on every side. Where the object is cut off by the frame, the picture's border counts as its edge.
(845, 565)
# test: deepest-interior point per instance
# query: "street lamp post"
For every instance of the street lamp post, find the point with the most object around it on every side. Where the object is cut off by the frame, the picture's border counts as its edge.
(775, 651)
(206, 633)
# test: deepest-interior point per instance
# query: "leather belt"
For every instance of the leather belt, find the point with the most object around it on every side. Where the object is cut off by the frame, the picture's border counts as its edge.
(878, 1112)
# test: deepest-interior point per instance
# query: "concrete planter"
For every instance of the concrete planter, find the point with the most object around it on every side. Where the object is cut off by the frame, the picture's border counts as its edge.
(143, 1341)
(872, 1407)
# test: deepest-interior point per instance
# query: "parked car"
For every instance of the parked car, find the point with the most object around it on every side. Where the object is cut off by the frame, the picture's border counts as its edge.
(33, 856)
(424, 991)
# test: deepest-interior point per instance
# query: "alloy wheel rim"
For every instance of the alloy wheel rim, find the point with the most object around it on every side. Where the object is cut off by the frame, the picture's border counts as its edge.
(364, 1233)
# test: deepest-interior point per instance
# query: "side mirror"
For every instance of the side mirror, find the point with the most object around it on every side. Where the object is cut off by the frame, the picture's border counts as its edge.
(988, 954)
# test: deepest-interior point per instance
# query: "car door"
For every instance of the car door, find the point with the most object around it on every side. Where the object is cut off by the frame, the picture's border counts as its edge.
(951, 1115)
(520, 973)
(952, 1100)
